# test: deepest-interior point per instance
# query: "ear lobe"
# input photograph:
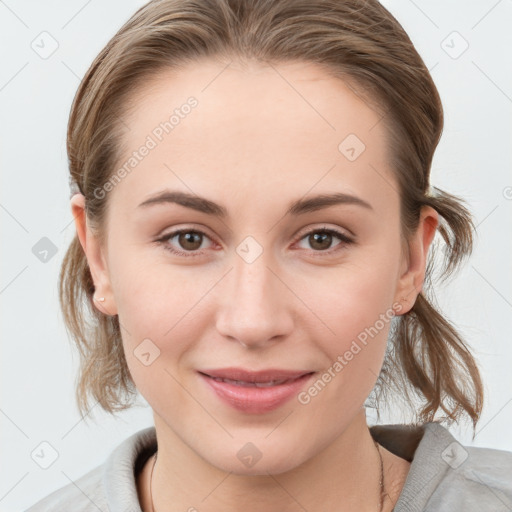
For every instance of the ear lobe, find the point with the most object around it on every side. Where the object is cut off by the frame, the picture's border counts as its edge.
(411, 281)
(95, 257)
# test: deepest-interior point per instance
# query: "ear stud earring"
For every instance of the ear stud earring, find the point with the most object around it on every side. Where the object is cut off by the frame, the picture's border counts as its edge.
(100, 299)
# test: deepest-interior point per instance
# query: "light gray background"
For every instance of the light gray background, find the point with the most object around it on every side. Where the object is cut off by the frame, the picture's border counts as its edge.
(38, 366)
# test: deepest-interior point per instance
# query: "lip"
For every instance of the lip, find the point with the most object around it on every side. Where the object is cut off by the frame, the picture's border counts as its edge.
(254, 392)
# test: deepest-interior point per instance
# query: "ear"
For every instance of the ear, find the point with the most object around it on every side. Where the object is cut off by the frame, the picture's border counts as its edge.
(95, 257)
(413, 268)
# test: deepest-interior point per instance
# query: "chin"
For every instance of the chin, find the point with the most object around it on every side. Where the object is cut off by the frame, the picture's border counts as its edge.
(249, 461)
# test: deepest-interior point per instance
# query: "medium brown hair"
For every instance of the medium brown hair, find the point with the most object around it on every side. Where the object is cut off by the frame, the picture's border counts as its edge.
(356, 40)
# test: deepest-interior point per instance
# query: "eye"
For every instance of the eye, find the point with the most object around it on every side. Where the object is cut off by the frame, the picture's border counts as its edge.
(190, 240)
(321, 240)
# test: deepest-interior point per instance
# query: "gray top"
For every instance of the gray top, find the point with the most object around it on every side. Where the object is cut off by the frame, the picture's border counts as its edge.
(444, 476)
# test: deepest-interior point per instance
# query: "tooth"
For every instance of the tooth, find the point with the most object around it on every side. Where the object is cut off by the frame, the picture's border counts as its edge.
(251, 384)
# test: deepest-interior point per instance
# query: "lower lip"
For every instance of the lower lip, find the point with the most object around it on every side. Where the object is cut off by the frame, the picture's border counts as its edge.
(255, 400)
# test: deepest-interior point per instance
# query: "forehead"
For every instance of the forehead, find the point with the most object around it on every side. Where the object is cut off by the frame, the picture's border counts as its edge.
(254, 95)
(292, 125)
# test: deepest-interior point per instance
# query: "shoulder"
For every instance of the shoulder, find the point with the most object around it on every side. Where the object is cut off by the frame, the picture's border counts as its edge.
(108, 487)
(83, 495)
(446, 476)
(475, 479)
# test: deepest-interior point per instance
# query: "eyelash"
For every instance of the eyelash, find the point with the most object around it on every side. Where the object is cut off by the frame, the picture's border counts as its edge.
(345, 240)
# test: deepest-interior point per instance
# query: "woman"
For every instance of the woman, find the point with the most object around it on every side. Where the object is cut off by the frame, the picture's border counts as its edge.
(255, 225)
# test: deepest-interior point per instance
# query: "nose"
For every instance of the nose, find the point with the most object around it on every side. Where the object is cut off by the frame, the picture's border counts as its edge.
(255, 307)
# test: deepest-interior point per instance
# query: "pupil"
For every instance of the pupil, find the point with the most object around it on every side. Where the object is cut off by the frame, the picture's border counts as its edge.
(319, 237)
(188, 238)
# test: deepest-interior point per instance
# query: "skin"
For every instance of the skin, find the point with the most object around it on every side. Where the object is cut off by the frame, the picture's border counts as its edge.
(260, 138)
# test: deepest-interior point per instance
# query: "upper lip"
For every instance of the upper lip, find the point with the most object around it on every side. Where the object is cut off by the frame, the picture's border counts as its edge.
(254, 376)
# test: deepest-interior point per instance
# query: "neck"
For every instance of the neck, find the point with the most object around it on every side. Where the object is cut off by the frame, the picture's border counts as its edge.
(183, 481)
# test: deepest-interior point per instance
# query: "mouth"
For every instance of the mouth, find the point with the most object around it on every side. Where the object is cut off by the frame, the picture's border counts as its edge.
(253, 384)
(260, 378)
(255, 392)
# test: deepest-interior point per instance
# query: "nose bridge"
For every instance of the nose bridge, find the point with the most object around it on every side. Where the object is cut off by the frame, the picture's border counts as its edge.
(254, 311)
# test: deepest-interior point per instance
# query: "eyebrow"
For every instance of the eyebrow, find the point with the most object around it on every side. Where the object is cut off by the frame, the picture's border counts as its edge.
(203, 205)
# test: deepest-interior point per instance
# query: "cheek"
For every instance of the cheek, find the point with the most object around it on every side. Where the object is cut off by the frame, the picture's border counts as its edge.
(157, 333)
(354, 303)
(161, 313)
(358, 314)
(151, 294)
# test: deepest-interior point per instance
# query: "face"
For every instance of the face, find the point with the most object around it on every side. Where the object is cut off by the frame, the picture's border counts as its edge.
(267, 272)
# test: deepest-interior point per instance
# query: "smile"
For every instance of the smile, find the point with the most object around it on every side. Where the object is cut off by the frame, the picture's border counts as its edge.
(254, 392)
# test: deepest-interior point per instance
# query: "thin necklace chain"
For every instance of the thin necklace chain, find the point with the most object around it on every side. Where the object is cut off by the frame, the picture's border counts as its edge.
(381, 479)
